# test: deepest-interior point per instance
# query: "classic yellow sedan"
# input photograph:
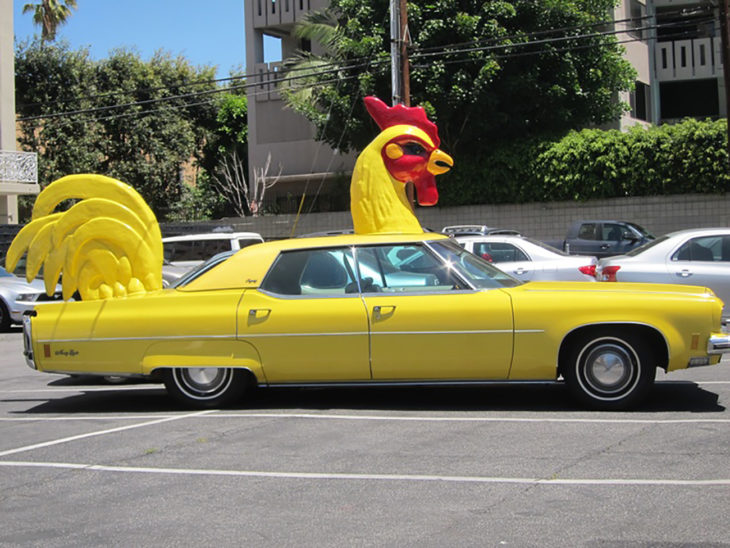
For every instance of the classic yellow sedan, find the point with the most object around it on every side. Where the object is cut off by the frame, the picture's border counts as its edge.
(370, 310)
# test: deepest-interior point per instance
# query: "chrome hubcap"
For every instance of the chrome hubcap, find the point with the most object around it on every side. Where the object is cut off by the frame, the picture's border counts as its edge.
(203, 382)
(609, 368)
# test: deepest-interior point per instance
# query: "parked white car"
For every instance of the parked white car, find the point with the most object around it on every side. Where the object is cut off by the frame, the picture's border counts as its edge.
(693, 257)
(183, 253)
(530, 260)
(18, 296)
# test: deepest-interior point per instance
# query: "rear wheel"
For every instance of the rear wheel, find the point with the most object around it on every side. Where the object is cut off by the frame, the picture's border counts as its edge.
(609, 370)
(205, 387)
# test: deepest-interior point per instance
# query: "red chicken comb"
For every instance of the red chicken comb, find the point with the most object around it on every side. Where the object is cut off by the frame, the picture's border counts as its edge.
(386, 117)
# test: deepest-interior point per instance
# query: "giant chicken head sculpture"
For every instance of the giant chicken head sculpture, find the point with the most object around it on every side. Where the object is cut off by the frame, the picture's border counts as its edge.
(406, 150)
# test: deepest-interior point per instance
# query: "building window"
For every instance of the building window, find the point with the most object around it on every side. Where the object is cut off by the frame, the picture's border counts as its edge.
(640, 101)
(690, 98)
(637, 12)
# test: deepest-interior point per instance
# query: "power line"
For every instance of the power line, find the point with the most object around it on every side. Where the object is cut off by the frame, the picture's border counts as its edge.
(350, 65)
(333, 64)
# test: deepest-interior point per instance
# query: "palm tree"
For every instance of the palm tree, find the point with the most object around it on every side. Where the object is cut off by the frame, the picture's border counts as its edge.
(49, 15)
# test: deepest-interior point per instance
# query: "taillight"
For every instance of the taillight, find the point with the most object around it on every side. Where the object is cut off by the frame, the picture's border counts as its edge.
(609, 273)
(588, 270)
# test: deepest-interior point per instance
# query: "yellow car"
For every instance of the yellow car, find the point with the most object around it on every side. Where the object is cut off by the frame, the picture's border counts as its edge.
(363, 310)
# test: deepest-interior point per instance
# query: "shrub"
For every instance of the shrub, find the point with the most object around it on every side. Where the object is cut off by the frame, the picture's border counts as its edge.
(688, 157)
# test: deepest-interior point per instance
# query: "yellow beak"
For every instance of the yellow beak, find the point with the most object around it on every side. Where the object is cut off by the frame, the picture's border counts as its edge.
(439, 162)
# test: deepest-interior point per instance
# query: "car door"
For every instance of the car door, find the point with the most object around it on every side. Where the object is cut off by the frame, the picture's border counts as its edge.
(705, 261)
(426, 324)
(307, 320)
(611, 236)
(507, 257)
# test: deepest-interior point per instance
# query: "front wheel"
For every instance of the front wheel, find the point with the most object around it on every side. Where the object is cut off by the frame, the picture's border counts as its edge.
(205, 387)
(610, 371)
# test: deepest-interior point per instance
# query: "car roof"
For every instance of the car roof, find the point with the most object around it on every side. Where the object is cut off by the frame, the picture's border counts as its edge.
(708, 230)
(248, 266)
(477, 230)
(213, 236)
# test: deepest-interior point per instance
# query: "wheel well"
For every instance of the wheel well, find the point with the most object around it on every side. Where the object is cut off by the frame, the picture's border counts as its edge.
(650, 335)
(250, 376)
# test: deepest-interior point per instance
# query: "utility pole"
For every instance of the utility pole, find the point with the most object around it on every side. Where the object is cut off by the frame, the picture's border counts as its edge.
(399, 68)
(405, 68)
(396, 82)
(724, 29)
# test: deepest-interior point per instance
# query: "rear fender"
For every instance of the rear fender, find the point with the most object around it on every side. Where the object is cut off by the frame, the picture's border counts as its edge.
(203, 353)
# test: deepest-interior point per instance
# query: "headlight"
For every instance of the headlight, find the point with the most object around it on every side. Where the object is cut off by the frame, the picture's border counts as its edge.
(27, 297)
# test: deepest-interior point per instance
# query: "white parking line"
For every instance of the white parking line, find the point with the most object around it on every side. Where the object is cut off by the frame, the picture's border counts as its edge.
(374, 477)
(97, 433)
(82, 389)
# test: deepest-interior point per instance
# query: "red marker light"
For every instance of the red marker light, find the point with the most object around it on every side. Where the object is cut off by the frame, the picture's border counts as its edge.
(588, 270)
(609, 273)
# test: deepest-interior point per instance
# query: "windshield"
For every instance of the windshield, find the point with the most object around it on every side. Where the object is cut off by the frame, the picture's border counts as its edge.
(646, 246)
(475, 270)
(641, 230)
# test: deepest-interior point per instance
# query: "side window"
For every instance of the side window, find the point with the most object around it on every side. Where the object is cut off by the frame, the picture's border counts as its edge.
(612, 232)
(499, 252)
(707, 248)
(312, 272)
(587, 231)
(403, 269)
(194, 250)
(245, 242)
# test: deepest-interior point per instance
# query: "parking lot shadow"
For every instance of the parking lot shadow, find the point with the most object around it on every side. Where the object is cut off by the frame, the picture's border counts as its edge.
(667, 396)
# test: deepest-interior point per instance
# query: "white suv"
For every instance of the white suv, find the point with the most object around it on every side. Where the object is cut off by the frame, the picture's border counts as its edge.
(185, 252)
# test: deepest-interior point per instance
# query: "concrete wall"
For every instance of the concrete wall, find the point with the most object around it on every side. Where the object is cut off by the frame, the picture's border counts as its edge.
(544, 221)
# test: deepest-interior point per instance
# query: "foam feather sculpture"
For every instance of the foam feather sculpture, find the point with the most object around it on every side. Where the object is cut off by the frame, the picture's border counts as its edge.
(106, 245)
(407, 149)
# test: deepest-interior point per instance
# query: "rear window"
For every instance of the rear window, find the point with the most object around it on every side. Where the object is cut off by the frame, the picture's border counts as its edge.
(195, 250)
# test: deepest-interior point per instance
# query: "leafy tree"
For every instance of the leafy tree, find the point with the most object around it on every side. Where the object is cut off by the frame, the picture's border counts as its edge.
(49, 15)
(484, 71)
(144, 123)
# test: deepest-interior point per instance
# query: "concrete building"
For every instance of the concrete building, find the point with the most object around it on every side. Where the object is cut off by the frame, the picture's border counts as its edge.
(677, 57)
(307, 166)
(18, 170)
(674, 45)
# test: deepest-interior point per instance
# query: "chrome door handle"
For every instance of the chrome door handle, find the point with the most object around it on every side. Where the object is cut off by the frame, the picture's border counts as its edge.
(521, 271)
(684, 273)
(380, 311)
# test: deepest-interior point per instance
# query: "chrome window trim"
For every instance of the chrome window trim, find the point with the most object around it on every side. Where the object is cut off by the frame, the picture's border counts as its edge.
(244, 336)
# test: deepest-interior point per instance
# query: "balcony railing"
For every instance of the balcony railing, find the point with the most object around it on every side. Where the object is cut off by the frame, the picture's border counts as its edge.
(688, 59)
(18, 167)
(267, 76)
(274, 13)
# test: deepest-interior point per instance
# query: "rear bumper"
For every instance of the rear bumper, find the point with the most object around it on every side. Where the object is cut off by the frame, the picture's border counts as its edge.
(719, 343)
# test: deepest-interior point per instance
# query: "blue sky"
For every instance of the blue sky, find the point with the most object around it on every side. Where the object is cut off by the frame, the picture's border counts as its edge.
(206, 33)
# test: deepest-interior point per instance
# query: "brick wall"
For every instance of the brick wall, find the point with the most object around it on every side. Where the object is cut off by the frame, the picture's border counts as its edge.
(544, 221)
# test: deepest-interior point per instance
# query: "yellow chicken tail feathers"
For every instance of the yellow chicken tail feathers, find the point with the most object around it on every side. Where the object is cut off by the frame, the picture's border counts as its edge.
(108, 244)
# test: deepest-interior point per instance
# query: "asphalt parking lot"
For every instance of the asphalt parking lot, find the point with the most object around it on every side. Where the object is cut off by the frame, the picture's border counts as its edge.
(87, 463)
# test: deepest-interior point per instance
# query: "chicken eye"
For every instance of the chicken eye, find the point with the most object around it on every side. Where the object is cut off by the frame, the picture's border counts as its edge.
(413, 149)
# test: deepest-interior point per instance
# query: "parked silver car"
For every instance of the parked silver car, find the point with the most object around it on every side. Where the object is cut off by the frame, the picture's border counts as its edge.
(18, 296)
(530, 260)
(185, 252)
(694, 257)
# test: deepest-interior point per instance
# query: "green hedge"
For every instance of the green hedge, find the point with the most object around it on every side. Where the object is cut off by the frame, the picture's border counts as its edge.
(688, 157)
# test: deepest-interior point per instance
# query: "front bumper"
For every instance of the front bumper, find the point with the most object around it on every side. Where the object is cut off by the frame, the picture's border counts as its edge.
(28, 341)
(719, 343)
